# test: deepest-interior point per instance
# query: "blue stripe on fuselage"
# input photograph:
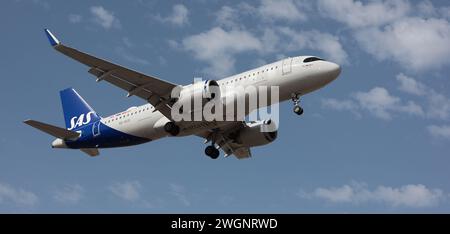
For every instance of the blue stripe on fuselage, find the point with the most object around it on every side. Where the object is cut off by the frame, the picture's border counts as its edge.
(107, 138)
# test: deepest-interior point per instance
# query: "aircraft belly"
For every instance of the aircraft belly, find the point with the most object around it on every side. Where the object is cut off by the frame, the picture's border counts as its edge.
(142, 127)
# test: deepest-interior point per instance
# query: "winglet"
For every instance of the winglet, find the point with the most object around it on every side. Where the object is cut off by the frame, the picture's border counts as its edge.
(51, 38)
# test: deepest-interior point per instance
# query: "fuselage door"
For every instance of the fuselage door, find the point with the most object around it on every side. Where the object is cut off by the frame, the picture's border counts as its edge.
(96, 129)
(287, 66)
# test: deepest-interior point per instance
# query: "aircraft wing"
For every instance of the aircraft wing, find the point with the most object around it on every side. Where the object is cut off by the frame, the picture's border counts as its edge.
(240, 152)
(152, 89)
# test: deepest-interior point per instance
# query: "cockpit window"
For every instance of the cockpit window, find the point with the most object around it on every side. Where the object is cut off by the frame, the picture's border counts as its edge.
(311, 59)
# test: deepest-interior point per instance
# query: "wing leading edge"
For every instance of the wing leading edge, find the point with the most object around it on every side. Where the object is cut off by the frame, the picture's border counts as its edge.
(152, 89)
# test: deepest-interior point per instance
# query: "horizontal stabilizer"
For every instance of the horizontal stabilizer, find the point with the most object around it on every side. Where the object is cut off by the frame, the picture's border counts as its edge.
(53, 130)
(91, 152)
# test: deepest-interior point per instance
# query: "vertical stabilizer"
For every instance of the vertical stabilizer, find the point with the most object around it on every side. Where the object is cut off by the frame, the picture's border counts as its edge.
(76, 110)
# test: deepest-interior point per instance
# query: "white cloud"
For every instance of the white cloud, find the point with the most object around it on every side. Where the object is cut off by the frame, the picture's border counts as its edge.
(269, 11)
(409, 85)
(379, 102)
(180, 193)
(445, 12)
(341, 194)
(426, 8)
(127, 42)
(74, 18)
(411, 195)
(282, 10)
(128, 190)
(357, 14)
(178, 17)
(227, 17)
(438, 105)
(341, 105)
(439, 131)
(173, 44)
(414, 43)
(217, 48)
(42, 3)
(130, 57)
(162, 61)
(104, 18)
(221, 44)
(416, 36)
(326, 43)
(70, 194)
(271, 41)
(411, 108)
(17, 196)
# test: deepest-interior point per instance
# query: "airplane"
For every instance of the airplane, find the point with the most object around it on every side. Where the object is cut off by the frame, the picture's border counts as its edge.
(88, 131)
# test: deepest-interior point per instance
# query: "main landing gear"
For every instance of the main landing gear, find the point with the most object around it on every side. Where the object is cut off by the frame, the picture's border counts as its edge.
(212, 152)
(297, 108)
(172, 128)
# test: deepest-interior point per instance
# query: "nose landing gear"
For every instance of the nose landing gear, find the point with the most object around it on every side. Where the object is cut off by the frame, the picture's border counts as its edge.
(297, 108)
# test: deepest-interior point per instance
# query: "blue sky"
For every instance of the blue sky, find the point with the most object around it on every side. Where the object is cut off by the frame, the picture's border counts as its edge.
(375, 140)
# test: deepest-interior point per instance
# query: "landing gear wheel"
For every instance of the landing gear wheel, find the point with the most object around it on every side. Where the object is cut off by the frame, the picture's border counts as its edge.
(298, 110)
(172, 128)
(296, 99)
(212, 152)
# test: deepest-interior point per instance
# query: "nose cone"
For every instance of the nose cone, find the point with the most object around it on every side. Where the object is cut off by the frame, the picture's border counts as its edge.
(59, 143)
(333, 70)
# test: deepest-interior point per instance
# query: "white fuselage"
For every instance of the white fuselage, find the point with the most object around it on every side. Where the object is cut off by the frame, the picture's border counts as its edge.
(291, 75)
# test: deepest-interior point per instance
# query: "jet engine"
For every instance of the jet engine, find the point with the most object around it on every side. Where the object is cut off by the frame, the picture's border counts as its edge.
(204, 90)
(188, 102)
(258, 133)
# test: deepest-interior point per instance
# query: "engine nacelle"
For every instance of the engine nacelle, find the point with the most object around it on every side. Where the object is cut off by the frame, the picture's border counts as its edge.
(196, 95)
(258, 133)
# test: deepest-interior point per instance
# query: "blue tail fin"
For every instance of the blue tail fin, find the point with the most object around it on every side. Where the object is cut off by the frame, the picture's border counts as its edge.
(76, 110)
